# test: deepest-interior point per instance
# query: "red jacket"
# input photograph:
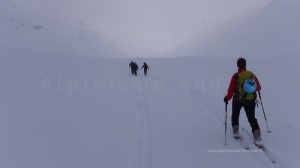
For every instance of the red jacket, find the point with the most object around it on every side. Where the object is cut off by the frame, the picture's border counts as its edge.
(232, 85)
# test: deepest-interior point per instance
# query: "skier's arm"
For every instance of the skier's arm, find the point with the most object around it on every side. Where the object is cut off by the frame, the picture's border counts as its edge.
(231, 88)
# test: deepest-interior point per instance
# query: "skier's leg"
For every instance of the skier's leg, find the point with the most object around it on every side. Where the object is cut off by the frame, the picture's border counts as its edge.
(236, 108)
(250, 112)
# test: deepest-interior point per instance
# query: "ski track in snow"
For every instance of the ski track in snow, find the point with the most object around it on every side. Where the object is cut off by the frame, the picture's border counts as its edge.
(144, 150)
(143, 154)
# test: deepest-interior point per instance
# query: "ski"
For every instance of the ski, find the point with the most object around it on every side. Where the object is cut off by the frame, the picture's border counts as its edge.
(267, 153)
(264, 149)
(239, 139)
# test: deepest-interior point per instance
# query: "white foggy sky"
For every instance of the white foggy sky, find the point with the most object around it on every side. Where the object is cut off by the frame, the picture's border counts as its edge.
(144, 27)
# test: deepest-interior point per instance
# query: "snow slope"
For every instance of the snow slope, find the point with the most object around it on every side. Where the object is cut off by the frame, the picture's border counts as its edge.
(24, 31)
(90, 112)
(60, 109)
(272, 31)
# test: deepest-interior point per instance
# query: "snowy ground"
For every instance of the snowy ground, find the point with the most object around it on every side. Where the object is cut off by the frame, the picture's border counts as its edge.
(59, 109)
(63, 112)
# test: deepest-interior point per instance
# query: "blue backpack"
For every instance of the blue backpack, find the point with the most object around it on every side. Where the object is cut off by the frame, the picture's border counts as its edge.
(250, 86)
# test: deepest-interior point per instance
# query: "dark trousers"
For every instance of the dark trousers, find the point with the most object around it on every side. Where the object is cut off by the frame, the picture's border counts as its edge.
(250, 113)
(134, 71)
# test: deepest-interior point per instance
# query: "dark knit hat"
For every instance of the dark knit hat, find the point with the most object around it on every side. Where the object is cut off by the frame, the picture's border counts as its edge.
(241, 63)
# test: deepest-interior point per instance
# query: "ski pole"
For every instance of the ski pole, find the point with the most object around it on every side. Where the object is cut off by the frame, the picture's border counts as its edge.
(262, 106)
(225, 123)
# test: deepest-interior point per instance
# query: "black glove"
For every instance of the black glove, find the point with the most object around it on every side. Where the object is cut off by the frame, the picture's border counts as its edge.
(225, 100)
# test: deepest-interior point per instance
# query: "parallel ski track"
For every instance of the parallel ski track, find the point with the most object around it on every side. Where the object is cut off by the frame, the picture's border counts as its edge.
(144, 155)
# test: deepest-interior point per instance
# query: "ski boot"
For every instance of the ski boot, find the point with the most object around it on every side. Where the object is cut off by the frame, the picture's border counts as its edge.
(257, 138)
(235, 131)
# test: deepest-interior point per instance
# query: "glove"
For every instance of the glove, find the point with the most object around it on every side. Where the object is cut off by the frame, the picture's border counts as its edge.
(225, 100)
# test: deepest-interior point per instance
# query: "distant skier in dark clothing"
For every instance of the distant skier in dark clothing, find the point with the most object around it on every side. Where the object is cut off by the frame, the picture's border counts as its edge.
(243, 98)
(131, 65)
(134, 68)
(146, 68)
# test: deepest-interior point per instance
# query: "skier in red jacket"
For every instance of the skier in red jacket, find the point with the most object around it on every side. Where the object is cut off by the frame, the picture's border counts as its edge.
(243, 99)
